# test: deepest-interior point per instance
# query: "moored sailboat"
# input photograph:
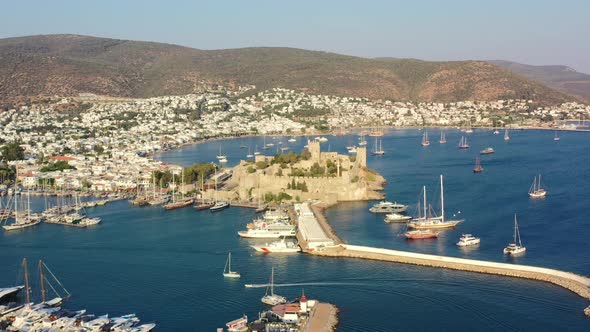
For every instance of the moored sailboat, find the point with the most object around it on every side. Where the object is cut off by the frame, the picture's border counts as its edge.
(428, 222)
(477, 168)
(272, 298)
(535, 191)
(506, 136)
(227, 272)
(516, 246)
(443, 138)
(463, 143)
(425, 141)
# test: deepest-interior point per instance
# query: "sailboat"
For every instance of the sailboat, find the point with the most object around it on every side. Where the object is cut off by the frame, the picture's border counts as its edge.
(22, 220)
(178, 204)
(292, 139)
(264, 145)
(362, 140)
(249, 155)
(496, 132)
(272, 298)
(443, 138)
(506, 136)
(535, 191)
(477, 168)
(427, 222)
(220, 155)
(219, 205)
(463, 143)
(516, 246)
(256, 152)
(378, 149)
(227, 272)
(556, 138)
(425, 141)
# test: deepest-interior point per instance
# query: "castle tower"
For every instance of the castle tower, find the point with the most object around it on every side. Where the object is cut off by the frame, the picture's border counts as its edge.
(361, 156)
(314, 149)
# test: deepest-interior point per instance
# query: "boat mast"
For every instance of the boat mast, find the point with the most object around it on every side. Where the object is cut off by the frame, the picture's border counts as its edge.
(229, 262)
(272, 281)
(42, 276)
(515, 228)
(424, 189)
(442, 200)
(27, 289)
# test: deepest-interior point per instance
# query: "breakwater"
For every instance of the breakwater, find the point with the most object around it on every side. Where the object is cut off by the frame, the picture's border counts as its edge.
(571, 281)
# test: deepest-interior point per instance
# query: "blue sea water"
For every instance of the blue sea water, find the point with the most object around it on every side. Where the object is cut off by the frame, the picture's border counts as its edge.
(166, 265)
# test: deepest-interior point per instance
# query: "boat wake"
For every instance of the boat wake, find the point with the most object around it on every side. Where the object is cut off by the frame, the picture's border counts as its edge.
(308, 284)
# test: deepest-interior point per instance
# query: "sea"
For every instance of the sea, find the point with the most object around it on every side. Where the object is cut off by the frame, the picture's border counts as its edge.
(166, 266)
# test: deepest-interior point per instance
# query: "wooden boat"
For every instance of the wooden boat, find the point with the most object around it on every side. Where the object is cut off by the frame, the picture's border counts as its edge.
(477, 168)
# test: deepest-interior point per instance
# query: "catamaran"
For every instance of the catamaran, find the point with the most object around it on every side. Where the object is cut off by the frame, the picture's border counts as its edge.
(425, 141)
(477, 168)
(516, 246)
(272, 298)
(535, 191)
(443, 138)
(227, 272)
(506, 136)
(463, 143)
(427, 222)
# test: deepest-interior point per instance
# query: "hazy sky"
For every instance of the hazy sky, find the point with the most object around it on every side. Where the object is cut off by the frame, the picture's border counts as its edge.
(533, 32)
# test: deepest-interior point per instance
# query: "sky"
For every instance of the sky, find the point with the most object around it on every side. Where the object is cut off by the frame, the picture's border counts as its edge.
(534, 32)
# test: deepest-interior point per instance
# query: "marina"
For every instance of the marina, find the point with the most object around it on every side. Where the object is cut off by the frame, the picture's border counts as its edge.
(353, 223)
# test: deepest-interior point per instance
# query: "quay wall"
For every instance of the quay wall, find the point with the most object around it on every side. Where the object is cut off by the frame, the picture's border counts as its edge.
(571, 281)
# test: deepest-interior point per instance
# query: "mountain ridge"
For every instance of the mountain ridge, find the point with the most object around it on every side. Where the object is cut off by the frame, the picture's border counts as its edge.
(67, 65)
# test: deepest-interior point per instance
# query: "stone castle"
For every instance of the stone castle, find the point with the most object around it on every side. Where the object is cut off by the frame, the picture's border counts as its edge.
(351, 181)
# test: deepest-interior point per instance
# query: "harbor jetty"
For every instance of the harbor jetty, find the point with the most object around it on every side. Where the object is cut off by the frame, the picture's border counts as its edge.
(576, 283)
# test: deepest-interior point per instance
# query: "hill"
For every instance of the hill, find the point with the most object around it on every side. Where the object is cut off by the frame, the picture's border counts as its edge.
(562, 78)
(71, 64)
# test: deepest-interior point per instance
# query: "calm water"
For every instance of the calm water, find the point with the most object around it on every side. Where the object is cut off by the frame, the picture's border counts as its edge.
(166, 265)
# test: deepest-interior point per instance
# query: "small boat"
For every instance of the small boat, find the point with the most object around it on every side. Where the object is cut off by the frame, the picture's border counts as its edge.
(220, 155)
(396, 217)
(292, 140)
(469, 130)
(496, 132)
(223, 160)
(463, 143)
(362, 141)
(388, 207)
(443, 138)
(238, 325)
(272, 298)
(351, 149)
(425, 141)
(556, 138)
(421, 234)
(227, 272)
(219, 205)
(489, 150)
(204, 206)
(468, 240)
(477, 168)
(506, 136)
(323, 139)
(516, 246)
(535, 191)
(281, 246)
(249, 155)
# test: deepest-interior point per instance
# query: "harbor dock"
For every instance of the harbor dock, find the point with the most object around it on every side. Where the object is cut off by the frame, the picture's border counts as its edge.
(576, 283)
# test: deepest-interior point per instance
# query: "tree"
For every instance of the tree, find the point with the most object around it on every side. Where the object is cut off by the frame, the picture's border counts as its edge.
(12, 151)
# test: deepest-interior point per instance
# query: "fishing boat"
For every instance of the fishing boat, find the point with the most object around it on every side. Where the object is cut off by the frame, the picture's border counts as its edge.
(443, 138)
(396, 217)
(556, 138)
(421, 234)
(506, 136)
(227, 272)
(468, 240)
(477, 168)
(428, 221)
(535, 191)
(378, 148)
(238, 325)
(425, 141)
(270, 298)
(388, 207)
(219, 205)
(516, 247)
(489, 150)
(281, 246)
(463, 143)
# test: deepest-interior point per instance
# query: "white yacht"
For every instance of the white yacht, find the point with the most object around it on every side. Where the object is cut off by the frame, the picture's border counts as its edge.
(281, 246)
(227, 272)
(396, 217)
(535, 191)
(468, 240)
(388, 207)
(516, 247)
(269, 231)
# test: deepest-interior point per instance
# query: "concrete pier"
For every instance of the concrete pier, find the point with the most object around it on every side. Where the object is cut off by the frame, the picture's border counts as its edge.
(571, 281)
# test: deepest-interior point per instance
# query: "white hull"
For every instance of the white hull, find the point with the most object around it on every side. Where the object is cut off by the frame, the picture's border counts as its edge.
(434, 224)
(266, 234)
(232, 275)
(394, 217)
(514, 252)
(14, 227)
(472, 242)
(538, 194)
